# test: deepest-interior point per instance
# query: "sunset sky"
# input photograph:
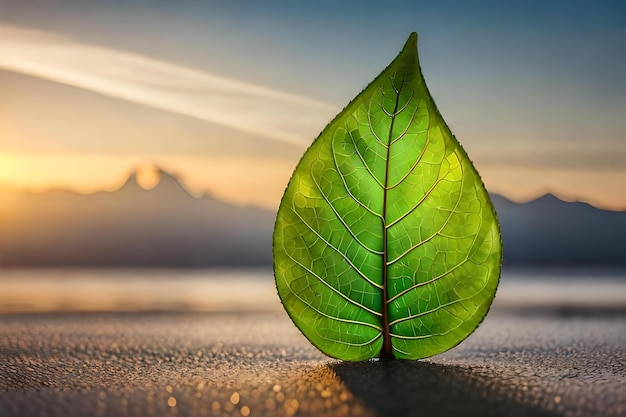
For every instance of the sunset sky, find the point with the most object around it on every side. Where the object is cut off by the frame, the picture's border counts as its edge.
(228, 94)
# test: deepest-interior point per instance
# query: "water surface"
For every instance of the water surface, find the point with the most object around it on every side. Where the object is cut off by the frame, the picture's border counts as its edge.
(213, 290)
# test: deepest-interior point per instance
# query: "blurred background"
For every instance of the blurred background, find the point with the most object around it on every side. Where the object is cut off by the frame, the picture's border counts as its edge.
(145, 145)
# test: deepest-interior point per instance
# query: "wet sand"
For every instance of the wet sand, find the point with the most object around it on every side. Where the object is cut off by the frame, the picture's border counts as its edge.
(257, 364)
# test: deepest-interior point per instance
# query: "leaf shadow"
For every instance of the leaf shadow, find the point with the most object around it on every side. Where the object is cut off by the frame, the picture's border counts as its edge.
(406, 388)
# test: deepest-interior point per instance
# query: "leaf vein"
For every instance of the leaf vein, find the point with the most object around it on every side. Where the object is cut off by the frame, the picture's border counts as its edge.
(369, 342)
(371, 126)
(345, 185)
(355, 303)
(406, 129)
(452, 212)
(421, 284)
(343, 255)
(363, 245)
(320, 312)
(423, 313)
(417, 161)
(356, 150)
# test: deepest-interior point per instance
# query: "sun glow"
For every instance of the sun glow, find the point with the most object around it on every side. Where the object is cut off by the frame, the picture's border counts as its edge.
(148, 176)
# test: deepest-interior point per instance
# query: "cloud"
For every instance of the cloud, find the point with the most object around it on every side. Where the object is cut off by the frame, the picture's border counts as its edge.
(607, 158)
(242, 106)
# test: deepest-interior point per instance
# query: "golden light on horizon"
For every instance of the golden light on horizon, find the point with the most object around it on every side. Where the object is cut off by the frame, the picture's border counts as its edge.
(601, 188)
(261, 181)
(74, 172)
(239, 180)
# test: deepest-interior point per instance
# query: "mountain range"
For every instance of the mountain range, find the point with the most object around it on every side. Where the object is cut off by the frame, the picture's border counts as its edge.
(162, 227)
(167, 227)
(549, 231)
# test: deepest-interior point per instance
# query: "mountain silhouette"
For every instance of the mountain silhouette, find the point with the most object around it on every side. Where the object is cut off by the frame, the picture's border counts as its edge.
(549, 231)
(167, 227)
(162, 227)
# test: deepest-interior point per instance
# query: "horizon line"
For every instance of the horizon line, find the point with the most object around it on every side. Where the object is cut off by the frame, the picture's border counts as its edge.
(132, 173)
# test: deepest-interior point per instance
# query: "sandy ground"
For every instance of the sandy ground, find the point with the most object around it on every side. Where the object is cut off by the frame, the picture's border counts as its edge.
(258, 364)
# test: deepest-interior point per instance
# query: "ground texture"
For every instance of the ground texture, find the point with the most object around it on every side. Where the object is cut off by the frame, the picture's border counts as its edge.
(258, 364)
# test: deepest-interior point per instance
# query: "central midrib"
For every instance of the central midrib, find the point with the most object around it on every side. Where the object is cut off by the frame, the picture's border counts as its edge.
(387, 349)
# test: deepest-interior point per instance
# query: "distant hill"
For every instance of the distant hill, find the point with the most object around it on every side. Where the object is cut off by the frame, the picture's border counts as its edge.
(549, 231)
(167, 227)
(164, 227)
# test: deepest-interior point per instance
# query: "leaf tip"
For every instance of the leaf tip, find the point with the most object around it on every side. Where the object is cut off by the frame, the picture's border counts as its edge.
(411, 43)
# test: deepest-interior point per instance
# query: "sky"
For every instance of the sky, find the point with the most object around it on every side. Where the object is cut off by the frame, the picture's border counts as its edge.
(228, 94)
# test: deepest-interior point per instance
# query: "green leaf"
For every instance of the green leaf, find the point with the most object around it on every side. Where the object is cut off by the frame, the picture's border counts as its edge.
(386, 242)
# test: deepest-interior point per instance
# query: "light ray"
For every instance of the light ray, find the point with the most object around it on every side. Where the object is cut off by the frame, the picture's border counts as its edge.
(242, 106)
